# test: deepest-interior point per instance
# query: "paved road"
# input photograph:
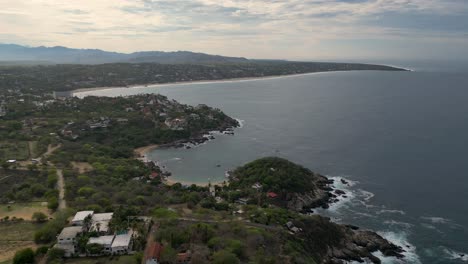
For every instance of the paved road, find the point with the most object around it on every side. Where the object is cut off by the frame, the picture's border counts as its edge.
(61, 189)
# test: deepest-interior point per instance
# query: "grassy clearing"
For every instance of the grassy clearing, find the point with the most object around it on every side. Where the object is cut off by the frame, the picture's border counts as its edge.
(23, 210)
(14, 150)
(103, 260)
(16, 236)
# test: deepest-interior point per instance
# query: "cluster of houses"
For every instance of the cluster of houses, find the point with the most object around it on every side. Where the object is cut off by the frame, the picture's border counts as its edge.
(87, 222)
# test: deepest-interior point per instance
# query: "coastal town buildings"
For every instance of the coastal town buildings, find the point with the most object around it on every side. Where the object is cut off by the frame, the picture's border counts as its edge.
(96, 228)
(104, 241)
(67, 240)
(80, 217)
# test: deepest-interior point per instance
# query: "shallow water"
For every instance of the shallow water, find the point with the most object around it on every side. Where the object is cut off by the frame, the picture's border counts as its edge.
(400, 138)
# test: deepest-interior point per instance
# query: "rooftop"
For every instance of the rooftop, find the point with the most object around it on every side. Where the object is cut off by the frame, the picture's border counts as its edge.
(80, 216)
(122, 240)
(102, 240)
(70, 232)
(103, 217)
(154, 251)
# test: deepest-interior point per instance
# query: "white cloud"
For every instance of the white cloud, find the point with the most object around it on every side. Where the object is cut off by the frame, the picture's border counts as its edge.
(253, 28)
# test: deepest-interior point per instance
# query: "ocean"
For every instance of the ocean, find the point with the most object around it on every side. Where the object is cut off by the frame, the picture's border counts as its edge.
(399, 138)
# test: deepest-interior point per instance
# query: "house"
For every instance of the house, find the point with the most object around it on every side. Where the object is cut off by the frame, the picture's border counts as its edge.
(100, 223)
(257, 186)
(212, 190)
(78, 219)
(66, 240)
(153, 253)
(104, 241)
(184, 257)
(122, 120)
(122, 244)
(154, 175)
(272, 195)
(242, 201)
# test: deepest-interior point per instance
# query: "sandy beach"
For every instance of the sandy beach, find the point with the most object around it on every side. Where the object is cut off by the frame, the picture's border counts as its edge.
(82, 90)
(141, 152)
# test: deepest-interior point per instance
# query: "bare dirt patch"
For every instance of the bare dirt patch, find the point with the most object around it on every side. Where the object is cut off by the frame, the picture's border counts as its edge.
(23, 210)
(82, 167)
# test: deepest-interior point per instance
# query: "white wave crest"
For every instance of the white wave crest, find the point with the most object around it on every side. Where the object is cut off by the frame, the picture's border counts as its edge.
(399, 239)
(398, 223)
(452, 254)
(437, 220)
(241, 122)
(388, 211)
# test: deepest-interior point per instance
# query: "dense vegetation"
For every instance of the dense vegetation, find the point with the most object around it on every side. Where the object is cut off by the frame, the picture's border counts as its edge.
(42, 79)
(27, 186)
(274, 174)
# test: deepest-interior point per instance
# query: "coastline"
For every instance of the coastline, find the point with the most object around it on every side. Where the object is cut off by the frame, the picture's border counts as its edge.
(151, 85)
(243, 79)
(143, 151)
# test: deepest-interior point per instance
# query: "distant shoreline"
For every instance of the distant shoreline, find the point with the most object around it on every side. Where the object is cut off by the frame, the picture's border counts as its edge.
(229, 80)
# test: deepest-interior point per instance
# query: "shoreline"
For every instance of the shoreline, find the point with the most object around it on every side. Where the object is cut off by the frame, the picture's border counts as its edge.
(243, 79)
(143, 151)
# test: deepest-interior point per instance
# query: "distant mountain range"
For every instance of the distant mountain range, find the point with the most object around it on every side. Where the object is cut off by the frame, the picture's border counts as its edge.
(15, 54)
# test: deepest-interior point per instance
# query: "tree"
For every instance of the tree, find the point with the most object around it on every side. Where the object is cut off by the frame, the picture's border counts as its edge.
(52, 180)
(41, 251)
(52, 203)
(225, 257)
(24, 256)
(55, 254)
(94, 249)
(138, 257)
(168, 254)
(5, 165)
(86, 191)
(39, 217)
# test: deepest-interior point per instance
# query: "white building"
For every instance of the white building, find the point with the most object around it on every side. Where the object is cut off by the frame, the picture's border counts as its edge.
(122, 244)
(100, 222)
(104, 241)
(79, 218)
(66, 240)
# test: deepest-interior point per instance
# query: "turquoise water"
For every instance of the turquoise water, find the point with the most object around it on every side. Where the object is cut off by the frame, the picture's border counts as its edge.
(400, 137)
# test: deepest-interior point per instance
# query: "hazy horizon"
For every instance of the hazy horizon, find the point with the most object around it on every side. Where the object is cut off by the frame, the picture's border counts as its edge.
(256, 29)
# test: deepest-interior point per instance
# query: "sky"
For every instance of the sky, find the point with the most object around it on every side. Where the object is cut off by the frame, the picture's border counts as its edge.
(268, 29)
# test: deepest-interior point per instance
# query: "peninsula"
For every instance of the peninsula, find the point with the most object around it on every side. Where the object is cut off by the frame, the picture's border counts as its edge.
(64, 158)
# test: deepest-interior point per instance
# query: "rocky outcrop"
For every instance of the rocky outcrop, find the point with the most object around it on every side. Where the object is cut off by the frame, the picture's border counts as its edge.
(359, 246)
(335, 243)
(320, 196)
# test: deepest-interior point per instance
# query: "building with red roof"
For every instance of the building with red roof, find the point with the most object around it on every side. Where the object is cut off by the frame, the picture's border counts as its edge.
(153, 253)
(272, 195)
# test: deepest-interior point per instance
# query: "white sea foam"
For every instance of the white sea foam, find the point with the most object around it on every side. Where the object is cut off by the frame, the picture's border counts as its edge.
(241, 122)
(437, 220)
(428, 226)
(398, 223)
(343, 200)
(389, 211)
(399, 239)
(366, 195)
(452, 254)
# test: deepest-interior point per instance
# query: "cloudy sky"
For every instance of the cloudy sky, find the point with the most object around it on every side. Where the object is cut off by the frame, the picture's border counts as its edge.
(287, 29)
